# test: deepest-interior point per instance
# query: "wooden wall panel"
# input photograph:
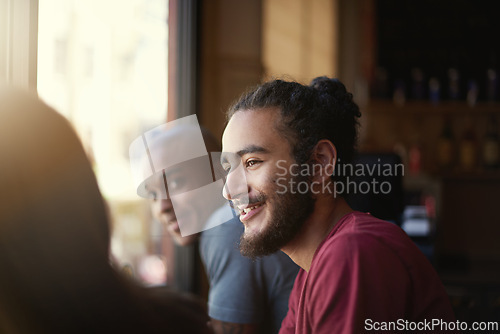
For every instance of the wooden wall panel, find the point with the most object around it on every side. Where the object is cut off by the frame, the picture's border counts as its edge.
(299, 38)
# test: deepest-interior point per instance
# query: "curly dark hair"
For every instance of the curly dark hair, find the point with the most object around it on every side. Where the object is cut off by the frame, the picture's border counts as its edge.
(322, 110)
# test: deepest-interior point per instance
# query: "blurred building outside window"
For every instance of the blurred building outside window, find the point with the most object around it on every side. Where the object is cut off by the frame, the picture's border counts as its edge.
(103, 65)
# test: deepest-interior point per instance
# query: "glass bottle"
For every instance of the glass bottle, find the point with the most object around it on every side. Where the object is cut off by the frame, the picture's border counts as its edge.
(445, 147)
(434, 90)
(468, 148)
(453, 84)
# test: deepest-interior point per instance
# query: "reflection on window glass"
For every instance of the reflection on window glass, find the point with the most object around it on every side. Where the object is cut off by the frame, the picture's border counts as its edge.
(103, 64)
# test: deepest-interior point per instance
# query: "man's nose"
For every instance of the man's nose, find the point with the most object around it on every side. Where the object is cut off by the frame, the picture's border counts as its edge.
(236, 186)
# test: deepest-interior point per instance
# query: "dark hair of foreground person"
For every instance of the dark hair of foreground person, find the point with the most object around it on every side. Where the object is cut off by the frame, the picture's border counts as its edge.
(55, 270)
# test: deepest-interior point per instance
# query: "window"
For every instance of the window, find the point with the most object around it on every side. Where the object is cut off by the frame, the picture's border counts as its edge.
(103, 65)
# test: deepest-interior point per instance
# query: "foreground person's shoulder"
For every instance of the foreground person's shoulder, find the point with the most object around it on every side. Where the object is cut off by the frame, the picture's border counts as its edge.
(186, 313)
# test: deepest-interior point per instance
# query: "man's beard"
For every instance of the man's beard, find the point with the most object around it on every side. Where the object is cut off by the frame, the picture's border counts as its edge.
(289, 212)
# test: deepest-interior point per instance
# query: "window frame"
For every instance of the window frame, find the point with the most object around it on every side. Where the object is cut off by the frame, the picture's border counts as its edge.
(18, 67)
(19, 42)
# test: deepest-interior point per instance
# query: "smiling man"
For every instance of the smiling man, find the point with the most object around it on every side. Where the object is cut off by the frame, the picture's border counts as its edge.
(282, 144)
(174, 171)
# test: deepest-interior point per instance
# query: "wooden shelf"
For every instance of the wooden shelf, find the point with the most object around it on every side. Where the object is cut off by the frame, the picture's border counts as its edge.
(482, 175)
(426, 179)
(428, 108)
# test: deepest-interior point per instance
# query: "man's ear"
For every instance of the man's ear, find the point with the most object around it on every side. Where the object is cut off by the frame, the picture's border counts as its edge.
(324, 158)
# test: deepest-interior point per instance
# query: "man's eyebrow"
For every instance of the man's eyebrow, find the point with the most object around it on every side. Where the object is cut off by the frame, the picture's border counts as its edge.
(249, 149)
(252, 149)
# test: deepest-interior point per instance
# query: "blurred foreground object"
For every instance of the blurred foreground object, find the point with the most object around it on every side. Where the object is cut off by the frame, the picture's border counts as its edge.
(56, 274)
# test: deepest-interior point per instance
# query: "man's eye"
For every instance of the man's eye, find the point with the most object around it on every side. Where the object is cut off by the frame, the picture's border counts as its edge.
(251, 163)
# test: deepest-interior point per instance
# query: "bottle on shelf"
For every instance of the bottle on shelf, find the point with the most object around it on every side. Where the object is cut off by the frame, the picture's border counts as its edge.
(418, 85)
(472, 93)
(446, 146)
(453, 84)
(468, 148)
(415, 157)
(399, 96)
(491, 145)
(434, 90)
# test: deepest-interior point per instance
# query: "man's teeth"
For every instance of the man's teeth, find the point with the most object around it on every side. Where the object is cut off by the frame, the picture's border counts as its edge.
(247, 210)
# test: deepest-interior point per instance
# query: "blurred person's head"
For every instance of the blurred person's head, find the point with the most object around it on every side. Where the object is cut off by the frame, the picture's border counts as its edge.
(50, 198)
(281, 133)
(54, 231)
(56, 275)
(172, 191)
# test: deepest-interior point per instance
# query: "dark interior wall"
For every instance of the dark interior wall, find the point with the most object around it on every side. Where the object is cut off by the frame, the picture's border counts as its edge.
(436, 36)
(475, 226)
(229, 56)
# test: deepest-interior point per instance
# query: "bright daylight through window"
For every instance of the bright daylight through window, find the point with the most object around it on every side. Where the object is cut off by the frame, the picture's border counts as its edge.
(103, 65)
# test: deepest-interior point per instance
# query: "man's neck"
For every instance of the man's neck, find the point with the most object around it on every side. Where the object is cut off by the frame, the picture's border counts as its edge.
(327, 212)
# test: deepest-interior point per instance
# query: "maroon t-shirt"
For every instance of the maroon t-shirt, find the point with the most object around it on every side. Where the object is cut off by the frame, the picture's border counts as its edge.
(365, 274)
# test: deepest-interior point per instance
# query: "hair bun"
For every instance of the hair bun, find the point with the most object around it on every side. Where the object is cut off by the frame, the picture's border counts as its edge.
(332, 88)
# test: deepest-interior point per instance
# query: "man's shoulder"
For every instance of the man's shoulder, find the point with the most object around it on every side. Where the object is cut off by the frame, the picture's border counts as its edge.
(361, 232)
(359, 225)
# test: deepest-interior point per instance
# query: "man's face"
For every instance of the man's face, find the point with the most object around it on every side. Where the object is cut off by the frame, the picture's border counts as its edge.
(271, 214)
(190, 208)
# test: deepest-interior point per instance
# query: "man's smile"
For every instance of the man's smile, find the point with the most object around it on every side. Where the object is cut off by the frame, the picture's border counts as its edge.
(250, 211)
